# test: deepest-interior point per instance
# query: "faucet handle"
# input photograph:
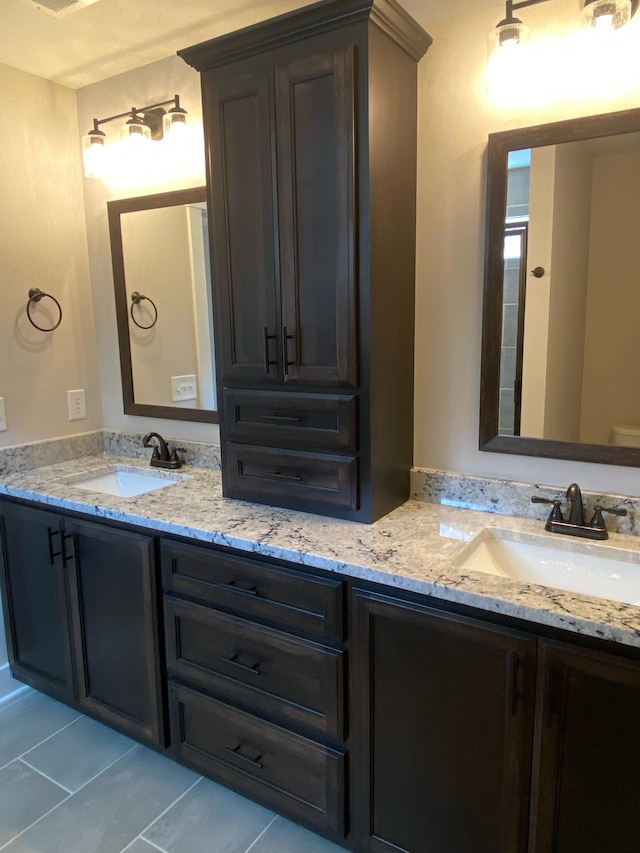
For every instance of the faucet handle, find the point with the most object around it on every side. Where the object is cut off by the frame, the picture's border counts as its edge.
(556, 512)
(598, 520)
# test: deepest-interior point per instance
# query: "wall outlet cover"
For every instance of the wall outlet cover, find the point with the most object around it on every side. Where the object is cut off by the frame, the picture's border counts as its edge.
(3, 416)
(77, 405)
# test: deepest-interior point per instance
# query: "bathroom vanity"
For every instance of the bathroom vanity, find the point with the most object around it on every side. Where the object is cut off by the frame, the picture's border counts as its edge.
(348, 676)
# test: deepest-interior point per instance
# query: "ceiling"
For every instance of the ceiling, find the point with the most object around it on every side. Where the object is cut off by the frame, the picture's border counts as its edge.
(113, 36)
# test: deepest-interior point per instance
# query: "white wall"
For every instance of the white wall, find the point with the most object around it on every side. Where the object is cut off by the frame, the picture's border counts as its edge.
(455, 118)
(612, 357)
(567, 309)
(43, 244)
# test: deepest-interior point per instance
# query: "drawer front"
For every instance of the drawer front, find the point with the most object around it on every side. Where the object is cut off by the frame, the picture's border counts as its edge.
(295, 421)
(255, 588)
(287, 772)
(274, 674)
(306, 481)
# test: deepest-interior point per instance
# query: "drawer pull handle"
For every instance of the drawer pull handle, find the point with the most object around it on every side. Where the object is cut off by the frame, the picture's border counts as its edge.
(267, 361)
(253, 670)
(293, 477)
(245, 590)
(53, 554)
(254, 762)
(284, 419)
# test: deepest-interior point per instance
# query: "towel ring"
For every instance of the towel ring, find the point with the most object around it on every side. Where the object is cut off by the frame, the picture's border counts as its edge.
(136, 299)
(35, 295)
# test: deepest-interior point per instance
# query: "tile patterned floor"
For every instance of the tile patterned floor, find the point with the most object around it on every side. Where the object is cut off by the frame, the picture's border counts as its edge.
(71, 785)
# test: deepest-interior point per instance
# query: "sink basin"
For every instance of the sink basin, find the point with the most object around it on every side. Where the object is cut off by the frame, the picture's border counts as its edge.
(125, 481)
(585, 568)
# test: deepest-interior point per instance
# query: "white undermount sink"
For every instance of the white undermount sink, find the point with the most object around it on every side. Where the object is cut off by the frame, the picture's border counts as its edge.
(573, 565)
(125, 481)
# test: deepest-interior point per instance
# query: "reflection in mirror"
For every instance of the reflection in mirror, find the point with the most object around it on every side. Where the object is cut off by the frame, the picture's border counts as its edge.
(163, 302)
(561, 347)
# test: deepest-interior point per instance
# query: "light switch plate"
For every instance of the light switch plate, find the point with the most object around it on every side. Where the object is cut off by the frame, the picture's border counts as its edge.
(183, 388)
(77, 405)
(3, 416)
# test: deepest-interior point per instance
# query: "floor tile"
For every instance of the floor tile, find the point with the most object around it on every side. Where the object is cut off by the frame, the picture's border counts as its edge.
(286, 837)
(29, 721)
(112, 810)
(78, 753)
(209, 818)
(140, 846)
(24, 797)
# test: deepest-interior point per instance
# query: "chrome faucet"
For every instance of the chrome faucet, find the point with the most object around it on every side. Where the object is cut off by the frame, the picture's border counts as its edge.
(576, 525)
(161, 457)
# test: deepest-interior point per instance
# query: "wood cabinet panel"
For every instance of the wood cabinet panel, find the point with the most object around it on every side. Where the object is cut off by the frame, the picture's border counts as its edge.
(115, 615)
(297, 776)
(291, 420)
(587, 766)
(243, 240)
(276, 674)
(444, 728)
(255, 588)
(315, 114)
(291, 478)
(35, 602)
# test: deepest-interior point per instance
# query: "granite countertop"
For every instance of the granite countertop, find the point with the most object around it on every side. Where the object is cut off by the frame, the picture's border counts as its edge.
(413, 548)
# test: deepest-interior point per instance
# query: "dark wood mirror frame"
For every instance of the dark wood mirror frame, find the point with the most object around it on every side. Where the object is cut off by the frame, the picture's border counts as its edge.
(115, 209)
(500, 144)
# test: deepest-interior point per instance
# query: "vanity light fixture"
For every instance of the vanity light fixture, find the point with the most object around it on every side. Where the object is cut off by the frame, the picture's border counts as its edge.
(143, 124)
(601, 14)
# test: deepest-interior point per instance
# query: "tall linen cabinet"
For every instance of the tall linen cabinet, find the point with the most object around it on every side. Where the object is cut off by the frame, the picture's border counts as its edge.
(310, 127)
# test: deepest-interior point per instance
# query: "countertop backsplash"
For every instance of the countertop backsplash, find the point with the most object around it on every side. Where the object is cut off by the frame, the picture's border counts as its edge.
(503, 497)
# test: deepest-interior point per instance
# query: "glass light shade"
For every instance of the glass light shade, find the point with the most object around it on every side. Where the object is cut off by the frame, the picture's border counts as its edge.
(93, 155)
(134, 131)
(174, 122)
(509, 34)
(607, 15)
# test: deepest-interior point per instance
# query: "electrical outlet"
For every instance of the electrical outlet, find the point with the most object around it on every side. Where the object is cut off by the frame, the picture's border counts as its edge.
(3, 416)
(77, 405)
(183, 388)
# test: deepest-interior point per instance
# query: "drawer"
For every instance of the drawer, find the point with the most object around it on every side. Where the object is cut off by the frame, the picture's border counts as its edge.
(259, 589)
(307, 481)
(275, 674)
(284, 771)
(295, 421)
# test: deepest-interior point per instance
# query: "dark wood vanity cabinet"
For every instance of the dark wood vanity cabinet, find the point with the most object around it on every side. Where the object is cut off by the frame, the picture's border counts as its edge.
(256, 669)
(36, 605)
(81, 609)
(587, 753)
(310, 123)
(443, 727)
(474, 736)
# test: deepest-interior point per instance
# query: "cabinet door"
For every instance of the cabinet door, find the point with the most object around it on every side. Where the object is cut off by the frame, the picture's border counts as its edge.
(586, 795)
(35, 599)
(315, 152)
(115, 606)
(443, 729)
(238, 117)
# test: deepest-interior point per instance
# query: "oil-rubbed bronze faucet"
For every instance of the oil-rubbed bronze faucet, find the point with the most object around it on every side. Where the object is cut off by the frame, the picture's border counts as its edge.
(576, 525)
(161, 457)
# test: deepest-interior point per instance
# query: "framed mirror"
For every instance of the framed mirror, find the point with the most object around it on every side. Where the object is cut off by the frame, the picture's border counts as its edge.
(561, 321)
(161, 276)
